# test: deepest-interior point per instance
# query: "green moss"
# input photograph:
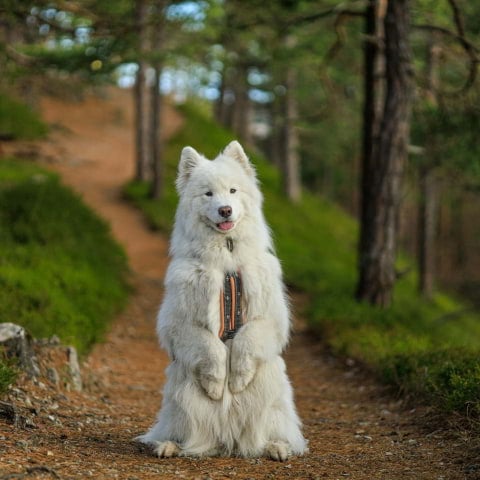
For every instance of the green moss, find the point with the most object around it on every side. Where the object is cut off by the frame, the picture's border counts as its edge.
(316, 242)
(448, 378)
(60, 271)
(7, 375)
(18, 121)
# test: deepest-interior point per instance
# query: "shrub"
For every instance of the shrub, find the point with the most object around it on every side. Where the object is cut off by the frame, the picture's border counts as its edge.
(7, 374)
(19, 121)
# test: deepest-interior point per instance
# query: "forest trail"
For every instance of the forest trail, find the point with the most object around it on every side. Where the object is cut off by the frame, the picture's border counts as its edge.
(355, 429)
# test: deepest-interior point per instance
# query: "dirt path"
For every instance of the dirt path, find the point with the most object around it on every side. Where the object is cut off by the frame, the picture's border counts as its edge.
(355, 428)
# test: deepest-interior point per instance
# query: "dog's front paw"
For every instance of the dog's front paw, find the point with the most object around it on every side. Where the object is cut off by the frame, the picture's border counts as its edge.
(277, 450)
(166, 449)
(213, 386)
(212, 372)
(242, 371)
(240, 380)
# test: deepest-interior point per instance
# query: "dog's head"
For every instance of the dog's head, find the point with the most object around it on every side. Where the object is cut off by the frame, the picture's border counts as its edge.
(219, 191)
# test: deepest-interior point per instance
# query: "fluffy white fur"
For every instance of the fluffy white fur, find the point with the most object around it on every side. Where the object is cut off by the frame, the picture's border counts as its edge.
(230, 398)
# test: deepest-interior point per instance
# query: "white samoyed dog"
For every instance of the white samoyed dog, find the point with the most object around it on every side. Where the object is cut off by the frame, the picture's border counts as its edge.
(224, 321)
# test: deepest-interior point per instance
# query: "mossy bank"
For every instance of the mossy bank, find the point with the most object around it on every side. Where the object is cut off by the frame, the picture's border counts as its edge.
(61, 272)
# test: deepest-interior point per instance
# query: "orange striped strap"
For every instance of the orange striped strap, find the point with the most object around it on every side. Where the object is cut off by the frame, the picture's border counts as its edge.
(230, 306)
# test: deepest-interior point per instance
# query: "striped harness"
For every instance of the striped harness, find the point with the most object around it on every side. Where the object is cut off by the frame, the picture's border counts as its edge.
(230, 306)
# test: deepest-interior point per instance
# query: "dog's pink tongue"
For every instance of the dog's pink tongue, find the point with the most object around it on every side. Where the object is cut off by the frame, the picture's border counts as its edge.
(225, 225)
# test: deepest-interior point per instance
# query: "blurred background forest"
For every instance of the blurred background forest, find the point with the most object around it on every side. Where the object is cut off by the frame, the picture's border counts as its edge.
(368, 110)
(266, 69)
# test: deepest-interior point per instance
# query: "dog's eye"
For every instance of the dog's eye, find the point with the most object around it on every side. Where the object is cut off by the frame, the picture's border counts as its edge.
(233, 190)
(209, 194)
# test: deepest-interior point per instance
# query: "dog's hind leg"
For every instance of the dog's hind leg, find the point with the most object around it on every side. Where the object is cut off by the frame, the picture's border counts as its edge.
(277, 450)
(283, 432)
(166, 449)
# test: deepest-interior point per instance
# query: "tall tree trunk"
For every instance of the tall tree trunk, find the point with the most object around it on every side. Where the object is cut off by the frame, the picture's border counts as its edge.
(140, 95)
(291, 171)
(156, 139)
(457, 229)
(155, 134)
(276, 150)
(219, 107)
(427, 214)
(226, 110)
(374, 60)
(386, 165)
(241, 113)
(427, 229)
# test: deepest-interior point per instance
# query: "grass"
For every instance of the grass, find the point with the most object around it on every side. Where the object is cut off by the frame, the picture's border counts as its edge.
(18, 121)
(60, 270)
(8, 374)
(428, 349)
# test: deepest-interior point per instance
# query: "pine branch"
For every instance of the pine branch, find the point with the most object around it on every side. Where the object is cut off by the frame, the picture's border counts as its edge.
(447, 33)
(57, 26)
(339, 32)
(338, 10)
(474, 60)
(457, 17)
(20, 58)
(470, 48)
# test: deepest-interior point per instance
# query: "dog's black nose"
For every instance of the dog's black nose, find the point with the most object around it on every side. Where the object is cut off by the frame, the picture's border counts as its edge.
(225, 212)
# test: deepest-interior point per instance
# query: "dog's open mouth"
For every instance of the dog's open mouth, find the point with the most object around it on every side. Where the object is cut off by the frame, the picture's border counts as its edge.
(225, 226)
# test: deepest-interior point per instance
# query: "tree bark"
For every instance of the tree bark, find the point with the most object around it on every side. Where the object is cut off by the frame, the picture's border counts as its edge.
(220, 104)
(156, 139)
(140, 95)
(427, 230)
(427, 214)
(276, 150)
(155, 134)
(291, 173)
(241, 113)
(457, 229)
(385, 164)
(373, 89)
(226, 109)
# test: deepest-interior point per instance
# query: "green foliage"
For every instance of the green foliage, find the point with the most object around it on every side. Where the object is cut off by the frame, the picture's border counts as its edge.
(93, 61)
(449, 133)
(18, 121)
(159, 213)
(60, 271)
(448, 378)
(316, 242)
(7, 374)
(329, 95)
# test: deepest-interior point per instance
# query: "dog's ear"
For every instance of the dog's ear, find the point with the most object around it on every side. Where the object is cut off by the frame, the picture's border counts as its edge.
(234, 150)
(189, 159)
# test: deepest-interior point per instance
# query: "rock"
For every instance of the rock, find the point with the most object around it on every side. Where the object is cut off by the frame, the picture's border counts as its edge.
(19, 417)
(17, 343)
(23, 444)
(41, 470)
(53, 376)
(74, 368)
(8, 411)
